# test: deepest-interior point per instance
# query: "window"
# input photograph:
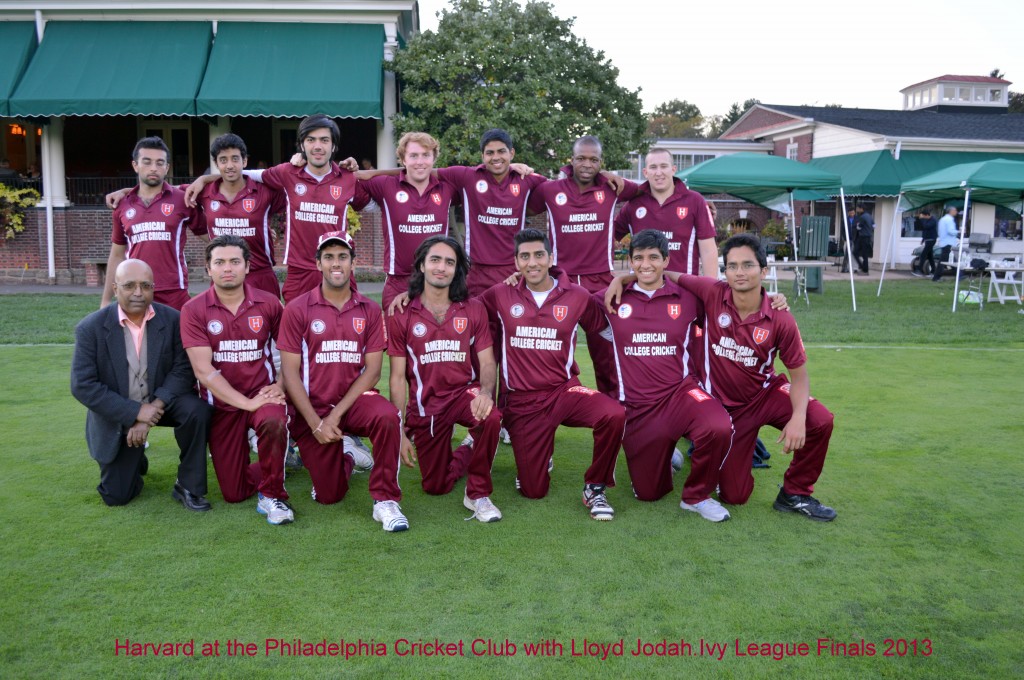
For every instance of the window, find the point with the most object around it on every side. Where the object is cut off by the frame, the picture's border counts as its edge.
(792, 151)
(963, 94)
(688, 160)
(979, 94)
(995, 95)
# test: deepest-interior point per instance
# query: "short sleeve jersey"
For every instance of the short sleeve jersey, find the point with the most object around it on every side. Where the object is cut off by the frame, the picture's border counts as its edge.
(494, 212)
(438, 355)
(312, 208)
(741, 353)
(652, 339)
(409, 217)
(156, 234)
(247, 216)
(332, 343)
(684, 218)
(580, 222)
(242, 342)
(538, 344)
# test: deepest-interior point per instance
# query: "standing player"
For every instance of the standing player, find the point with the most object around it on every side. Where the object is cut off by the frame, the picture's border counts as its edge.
(229, 332)
(651, 334)
(538, 317)
(743, 336)
(332, 344)
(149, 225)
(415, 204)
(432, 344)
(682, 215)
(580, 211)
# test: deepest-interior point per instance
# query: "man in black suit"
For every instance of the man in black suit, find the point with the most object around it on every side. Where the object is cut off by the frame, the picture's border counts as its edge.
(130, 370)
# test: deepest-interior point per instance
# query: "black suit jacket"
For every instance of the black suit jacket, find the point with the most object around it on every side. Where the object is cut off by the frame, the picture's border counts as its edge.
(99, 374)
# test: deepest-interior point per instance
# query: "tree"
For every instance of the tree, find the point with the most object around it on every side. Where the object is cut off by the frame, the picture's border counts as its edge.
(676, 119)
(496, 63)
(719, 124)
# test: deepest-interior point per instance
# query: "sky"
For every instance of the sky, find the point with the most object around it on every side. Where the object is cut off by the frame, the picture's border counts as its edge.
(796, 52)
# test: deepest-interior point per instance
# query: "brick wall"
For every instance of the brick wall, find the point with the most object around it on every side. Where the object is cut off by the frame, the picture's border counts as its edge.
(759, 119)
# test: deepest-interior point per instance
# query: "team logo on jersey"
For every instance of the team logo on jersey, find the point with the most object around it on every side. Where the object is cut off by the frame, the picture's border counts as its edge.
(561, 198)
(699, 395)
(359, 324)
(724, 320)
(784, 388)
(318, 326)
(674, 311)
(481, 187)
(129, 213)
(475, 391)
(560, 312)
(682, 212)
(248, 204)
(300, 189)
(599, 195)
(760, 334)
(255, 323)
(641, 213)
(625, 311)
(401, 197)
(335, 192)
(698, 332)
(436, 198)
(215, 327)
(517, 310)
(580, 389)
(214, 206)
(166, 208)
(515, 189)
(419, 330)
(460, 323)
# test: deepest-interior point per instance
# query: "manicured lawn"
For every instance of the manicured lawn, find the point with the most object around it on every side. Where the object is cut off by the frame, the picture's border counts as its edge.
(925, 471)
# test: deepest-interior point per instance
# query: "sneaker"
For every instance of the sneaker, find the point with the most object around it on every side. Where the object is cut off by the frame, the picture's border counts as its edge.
(359, 454)
(594, 498)
(483, 509)
(389, 514)
(677, 461)
(551, 465)
(709, 509)
(292, 461)
(274, 509)
(253, 441)
(468, 441)
(916, 273)
(808, 506)
(503, 436)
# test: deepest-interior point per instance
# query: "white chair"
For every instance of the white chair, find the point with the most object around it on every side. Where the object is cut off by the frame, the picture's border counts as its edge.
(1005, 287)
(771, 281)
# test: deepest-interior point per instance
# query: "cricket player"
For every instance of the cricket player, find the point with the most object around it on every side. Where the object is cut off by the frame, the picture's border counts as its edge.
(228, 333)
(432, 344)
(332, 344)
(538, 317)
(149, 225)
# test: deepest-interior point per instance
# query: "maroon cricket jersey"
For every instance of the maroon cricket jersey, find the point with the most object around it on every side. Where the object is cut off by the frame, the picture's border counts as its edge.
(241, 342)
(409, 217)
(538, 345)
(580, 222)
(247, 216)
(438, 355)
(155, 234)
(740, 354)
(684, 218)
(332, 343)
(652, 341)
(494, 212)
(313, 207)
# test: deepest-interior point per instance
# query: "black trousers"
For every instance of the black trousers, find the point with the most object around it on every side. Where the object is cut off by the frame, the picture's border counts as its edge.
(927, 254)
(121, 479)
(862, 252)
(944, 257)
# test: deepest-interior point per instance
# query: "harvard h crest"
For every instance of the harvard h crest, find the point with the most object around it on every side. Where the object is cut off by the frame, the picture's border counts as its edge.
(560, 312)
(359, 324)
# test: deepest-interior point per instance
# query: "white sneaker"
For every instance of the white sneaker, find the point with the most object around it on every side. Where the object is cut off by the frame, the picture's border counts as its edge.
(275, 510)
(677, 461)
(468, 441)
(594, 498)
(709, 509)
(503, 436)
(253, 441)
(360, 455)
(389, 514)
(483, 509)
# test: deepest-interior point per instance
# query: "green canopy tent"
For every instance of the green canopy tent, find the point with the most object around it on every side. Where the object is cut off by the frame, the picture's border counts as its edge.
(769, 181)
(1000, 182)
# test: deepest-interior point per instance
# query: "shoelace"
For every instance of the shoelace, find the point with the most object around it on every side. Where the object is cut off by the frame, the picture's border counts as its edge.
(485, 502)
(279, 504)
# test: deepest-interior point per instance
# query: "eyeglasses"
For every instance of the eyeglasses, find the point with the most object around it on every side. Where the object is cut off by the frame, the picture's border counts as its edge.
(130, 286)
(745, 266)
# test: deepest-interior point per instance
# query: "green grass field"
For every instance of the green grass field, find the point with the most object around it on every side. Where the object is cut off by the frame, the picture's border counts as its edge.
(925, 471)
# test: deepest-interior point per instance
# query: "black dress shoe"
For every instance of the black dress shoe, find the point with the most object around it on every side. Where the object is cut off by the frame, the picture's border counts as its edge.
(190, 500)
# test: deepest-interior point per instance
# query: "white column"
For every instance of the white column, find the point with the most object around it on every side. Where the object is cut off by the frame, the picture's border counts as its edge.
(389, 104)
(53, 163)
(222, 127)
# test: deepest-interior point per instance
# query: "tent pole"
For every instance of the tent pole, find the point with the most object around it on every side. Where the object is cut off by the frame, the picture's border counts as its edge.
(960, 247)
(849, 254)
(792, 216)
(892, 239)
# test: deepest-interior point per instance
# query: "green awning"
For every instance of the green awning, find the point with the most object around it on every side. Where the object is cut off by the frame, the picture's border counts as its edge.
(1000, 182)
(115, 68)
(878, 173)
(17, 45)
(293, 69)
